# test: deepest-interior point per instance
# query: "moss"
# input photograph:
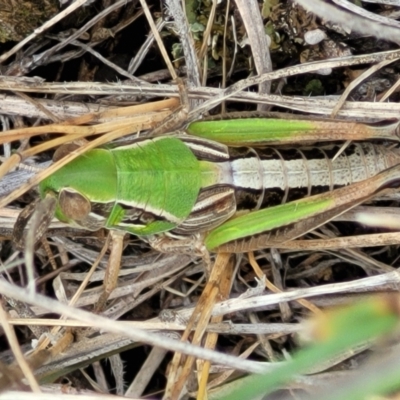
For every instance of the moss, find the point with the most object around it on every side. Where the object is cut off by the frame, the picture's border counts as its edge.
(18, 21)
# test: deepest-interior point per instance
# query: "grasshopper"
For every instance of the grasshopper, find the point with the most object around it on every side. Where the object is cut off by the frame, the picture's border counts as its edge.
(221, 186)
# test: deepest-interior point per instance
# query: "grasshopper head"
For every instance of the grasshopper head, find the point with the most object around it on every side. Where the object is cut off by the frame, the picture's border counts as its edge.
(85, 189)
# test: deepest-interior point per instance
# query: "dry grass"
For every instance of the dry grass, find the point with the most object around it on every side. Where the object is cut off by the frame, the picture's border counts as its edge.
(54, 82)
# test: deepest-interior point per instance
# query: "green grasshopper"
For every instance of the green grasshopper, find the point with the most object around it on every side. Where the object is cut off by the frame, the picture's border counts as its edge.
(208, 184)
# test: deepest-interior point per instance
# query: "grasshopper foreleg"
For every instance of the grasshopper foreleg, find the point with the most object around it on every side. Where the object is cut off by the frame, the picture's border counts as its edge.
(193, 245)
(112, 270)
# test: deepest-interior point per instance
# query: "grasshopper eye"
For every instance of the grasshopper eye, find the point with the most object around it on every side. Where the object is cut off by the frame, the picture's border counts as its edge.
(74, 205)
(63, 150)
